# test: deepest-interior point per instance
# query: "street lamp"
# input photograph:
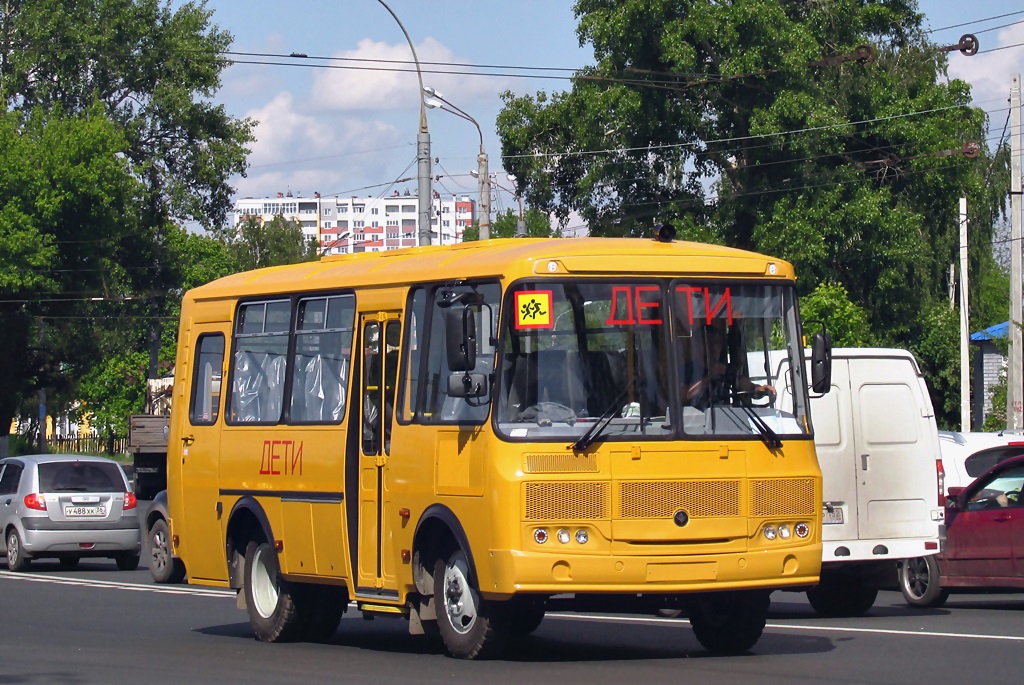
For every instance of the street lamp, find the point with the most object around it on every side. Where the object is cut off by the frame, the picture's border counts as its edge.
(436, 100)
(422, 146)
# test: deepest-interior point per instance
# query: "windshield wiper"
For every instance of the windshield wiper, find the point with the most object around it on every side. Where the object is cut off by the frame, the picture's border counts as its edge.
(588, 438)
(768, 436)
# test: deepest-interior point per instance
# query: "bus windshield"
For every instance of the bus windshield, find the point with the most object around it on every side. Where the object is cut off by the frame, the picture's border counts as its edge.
(658, 358)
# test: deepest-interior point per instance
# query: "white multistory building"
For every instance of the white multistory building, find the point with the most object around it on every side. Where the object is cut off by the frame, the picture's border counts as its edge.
(364, 224)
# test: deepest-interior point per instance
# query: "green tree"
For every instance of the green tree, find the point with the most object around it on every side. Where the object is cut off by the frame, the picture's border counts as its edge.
(279, 241)
(67, 198)
(155, 70)
(506, 223)
(846, 322)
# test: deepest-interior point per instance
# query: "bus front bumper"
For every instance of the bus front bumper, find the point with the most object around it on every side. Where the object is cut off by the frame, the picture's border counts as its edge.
(514, 571)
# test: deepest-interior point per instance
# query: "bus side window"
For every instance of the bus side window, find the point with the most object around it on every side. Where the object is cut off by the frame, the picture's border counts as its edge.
(204, 403)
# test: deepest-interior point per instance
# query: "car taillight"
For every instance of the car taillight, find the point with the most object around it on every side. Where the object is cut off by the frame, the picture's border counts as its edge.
(129, 500)
(35, 501)
(940, 473)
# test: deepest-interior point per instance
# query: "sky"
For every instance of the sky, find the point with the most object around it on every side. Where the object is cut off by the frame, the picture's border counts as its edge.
(348, 131)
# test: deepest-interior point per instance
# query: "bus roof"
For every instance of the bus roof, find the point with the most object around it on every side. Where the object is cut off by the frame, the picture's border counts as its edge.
(508, 258)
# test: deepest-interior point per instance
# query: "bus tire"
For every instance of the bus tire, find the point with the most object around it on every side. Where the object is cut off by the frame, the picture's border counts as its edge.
(471, 627)
(839, 595)
(322, 606)
(270, 601)
(730, 622)
(164, 567)
(919, 582)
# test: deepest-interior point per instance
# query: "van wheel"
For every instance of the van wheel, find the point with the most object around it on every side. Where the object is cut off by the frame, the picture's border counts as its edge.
(730, 622)
(471, 627)
(269, 600)
(163, 565)
(840, 595)
(919, 582)
(17, 560)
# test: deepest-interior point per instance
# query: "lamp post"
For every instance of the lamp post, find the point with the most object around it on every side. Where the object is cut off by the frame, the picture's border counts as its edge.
(422, 146)
(436, 100)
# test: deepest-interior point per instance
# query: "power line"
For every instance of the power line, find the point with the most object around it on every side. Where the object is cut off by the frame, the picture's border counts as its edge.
(976, 21)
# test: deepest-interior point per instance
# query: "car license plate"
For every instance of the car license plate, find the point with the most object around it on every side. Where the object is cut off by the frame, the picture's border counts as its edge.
(86, 511)
(831, 517)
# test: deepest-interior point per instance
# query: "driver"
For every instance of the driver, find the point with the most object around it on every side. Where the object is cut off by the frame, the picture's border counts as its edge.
(721, 376)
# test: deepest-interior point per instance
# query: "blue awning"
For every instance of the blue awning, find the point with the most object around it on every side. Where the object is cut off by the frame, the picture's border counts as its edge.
(1000, 330)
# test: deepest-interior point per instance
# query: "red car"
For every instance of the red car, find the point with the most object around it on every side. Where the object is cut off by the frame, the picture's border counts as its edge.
(984, 546)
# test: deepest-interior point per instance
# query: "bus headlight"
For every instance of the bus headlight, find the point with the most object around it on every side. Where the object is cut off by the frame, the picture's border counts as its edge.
(564, 536)
(582, 536)
(769, 532)
(784, 532)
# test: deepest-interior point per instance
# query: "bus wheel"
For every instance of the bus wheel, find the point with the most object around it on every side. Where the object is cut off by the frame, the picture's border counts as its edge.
(730, 622)
(919, 582)
(527, 613)
(470, 626)
(841, 595)
(323, 606)
(269, 600)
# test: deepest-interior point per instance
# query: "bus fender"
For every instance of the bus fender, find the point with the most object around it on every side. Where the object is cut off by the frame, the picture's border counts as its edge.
(239, 535)
(428, 548)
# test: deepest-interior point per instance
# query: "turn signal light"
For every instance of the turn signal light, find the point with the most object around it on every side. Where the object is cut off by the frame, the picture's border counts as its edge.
(129, 500)
(802, 530)
(35, 501)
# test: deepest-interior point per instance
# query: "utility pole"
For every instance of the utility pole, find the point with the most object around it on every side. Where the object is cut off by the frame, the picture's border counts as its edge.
(1014, 401)
(965, 369)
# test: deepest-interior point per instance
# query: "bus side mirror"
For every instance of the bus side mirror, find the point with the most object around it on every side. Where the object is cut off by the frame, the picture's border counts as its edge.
(821, 363)
(460, 339)
(467, 385)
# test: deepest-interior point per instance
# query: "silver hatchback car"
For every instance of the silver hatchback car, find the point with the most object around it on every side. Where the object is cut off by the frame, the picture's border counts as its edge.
(67, 507)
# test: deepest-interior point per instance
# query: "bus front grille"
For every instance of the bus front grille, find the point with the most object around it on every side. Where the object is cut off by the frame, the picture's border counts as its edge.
(566, 501)
(782, 497)
(662, 499)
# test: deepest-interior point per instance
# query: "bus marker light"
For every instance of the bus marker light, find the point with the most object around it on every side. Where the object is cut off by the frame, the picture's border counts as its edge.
(582, 536)
(564, 536)
(540, 536)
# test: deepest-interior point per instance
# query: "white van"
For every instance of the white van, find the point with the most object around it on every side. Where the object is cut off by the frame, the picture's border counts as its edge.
(878, 447)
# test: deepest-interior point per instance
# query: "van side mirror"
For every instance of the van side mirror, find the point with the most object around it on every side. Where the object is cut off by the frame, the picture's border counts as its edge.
(954, 497)
(821, 363)
(460, 339)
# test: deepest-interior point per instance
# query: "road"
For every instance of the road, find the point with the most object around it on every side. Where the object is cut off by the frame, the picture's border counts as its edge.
(98, 625)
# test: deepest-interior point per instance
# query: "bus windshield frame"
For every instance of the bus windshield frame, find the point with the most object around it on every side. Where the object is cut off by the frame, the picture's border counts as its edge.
(650, 359)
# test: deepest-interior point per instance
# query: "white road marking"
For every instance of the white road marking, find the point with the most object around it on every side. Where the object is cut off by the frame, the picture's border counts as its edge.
(789, 626)
(230, 594)
(82, 582)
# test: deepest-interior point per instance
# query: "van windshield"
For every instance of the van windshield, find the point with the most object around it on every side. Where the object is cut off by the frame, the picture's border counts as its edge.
(656, 358)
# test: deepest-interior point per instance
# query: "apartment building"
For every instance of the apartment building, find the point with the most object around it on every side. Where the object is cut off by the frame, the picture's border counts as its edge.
(364, 224)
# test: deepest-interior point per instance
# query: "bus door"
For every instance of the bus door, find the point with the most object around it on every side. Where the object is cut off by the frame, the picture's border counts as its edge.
(200, 454)
(380, 336)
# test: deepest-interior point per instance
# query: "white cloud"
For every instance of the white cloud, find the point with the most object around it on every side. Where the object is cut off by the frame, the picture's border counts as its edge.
(989, 72)
(389, 85)
(297, 151)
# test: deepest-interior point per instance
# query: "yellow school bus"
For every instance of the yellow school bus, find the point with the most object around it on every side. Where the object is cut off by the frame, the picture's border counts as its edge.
(469, 436)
